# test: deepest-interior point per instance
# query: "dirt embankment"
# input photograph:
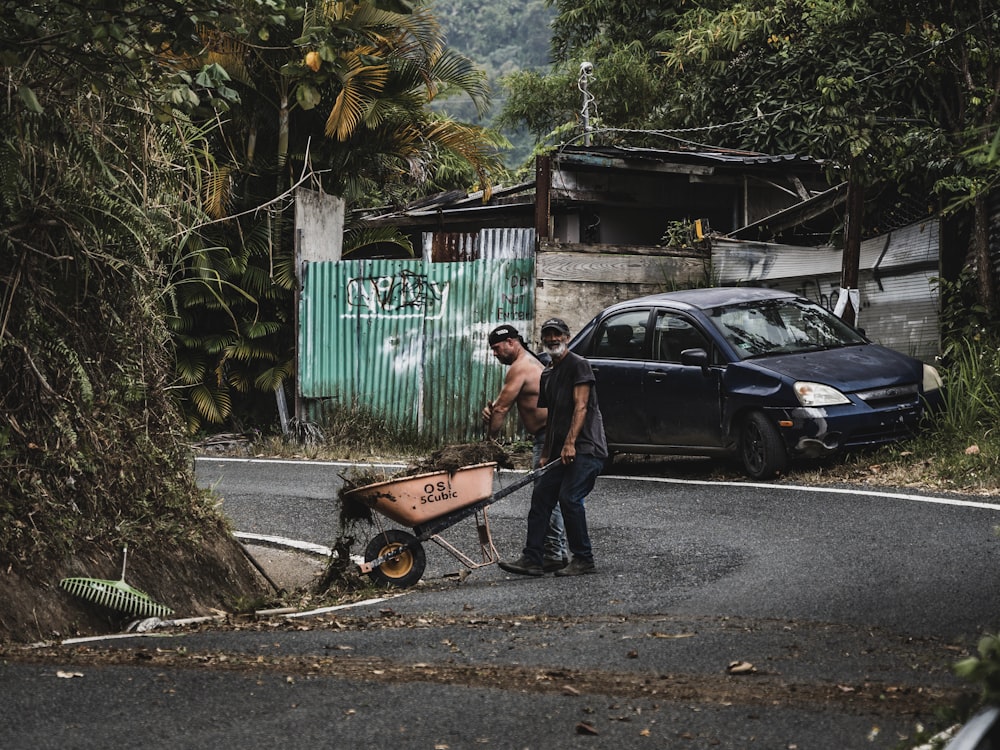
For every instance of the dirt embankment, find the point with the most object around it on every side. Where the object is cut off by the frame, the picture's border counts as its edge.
(207, 577)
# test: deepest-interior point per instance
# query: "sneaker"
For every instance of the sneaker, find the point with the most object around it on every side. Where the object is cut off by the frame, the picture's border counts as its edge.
(577, 567)
(522, 566)
(552, 564)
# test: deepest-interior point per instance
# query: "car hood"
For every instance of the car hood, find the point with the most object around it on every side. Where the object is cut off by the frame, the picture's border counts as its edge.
(846, 368)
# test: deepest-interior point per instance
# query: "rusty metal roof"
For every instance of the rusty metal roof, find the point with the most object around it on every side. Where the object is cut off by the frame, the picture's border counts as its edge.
(518, 198)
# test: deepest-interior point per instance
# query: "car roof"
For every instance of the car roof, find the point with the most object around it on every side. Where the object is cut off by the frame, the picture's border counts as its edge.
(706, 299)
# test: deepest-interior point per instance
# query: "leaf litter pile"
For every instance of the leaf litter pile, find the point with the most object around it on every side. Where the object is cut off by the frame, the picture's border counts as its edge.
(353, 512)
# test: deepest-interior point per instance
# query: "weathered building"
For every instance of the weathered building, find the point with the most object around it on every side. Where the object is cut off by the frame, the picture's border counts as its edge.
(597, 225)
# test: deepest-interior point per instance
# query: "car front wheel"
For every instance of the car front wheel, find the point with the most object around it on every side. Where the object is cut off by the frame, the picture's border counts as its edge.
(761, 447)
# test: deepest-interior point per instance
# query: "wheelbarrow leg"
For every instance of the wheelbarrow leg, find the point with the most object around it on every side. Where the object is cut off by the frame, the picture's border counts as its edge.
(488, 552)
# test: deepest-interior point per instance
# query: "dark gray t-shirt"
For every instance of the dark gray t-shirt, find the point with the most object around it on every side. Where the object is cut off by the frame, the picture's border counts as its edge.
(556, 395)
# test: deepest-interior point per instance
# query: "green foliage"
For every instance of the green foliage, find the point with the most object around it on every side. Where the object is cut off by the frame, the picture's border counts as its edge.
(682, 234)
(628, 89)
(607, 24)
(503, 37)
(984, 669)
(93, 189)
(335, 96)
(901, 97)
(971, 387)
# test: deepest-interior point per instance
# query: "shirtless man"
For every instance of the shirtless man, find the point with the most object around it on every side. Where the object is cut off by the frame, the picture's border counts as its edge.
(520, 386)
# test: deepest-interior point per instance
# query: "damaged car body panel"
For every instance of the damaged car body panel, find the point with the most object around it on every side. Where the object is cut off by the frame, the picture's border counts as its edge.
(765, 375)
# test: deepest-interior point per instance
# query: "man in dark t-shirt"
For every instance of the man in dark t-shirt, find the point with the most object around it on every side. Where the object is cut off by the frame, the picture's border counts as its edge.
(574, 436)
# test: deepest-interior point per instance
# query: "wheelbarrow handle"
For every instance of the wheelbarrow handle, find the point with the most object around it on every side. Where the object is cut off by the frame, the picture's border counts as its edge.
(517, 484)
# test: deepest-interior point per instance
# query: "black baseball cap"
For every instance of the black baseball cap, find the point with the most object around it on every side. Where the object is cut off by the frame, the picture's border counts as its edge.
(558, 323)
(502, 333)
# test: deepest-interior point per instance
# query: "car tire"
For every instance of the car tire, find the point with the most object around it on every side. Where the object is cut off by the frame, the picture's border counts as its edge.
(761, 448)
(405, 569)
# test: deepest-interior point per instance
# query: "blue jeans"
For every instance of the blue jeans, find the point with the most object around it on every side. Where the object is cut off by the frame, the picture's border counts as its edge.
(555, 537)
(564, 486)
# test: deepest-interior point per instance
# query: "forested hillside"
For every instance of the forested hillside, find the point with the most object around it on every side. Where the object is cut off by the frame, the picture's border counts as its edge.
(501, 37)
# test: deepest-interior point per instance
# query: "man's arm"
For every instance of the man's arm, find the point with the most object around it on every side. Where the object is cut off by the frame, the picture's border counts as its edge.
(496, 411)
(581, 395)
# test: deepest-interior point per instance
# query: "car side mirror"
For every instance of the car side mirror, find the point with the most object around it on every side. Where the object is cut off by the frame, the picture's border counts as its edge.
(695, 358)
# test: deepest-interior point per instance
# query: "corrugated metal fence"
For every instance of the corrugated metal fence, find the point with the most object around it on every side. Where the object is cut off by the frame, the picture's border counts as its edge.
(407, 339)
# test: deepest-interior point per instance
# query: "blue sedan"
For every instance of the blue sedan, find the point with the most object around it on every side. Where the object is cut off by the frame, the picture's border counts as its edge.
(761, 374)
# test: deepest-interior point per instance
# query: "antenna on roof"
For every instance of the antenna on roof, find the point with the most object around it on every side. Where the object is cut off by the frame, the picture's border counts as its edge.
(586, 73)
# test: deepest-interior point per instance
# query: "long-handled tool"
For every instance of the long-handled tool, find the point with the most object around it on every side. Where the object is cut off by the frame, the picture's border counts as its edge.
(116, 595)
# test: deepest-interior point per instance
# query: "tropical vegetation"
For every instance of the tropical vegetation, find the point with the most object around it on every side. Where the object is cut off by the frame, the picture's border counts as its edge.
(147, 170)
(333, 98)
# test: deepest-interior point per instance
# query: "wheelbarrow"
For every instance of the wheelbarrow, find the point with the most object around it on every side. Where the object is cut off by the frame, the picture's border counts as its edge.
(429, 504)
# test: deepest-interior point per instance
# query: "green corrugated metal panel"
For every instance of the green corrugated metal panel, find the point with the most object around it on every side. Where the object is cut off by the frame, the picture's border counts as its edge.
(407, 339)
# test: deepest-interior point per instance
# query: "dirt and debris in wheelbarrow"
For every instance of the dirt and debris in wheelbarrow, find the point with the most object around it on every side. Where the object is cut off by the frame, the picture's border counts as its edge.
(341, 571)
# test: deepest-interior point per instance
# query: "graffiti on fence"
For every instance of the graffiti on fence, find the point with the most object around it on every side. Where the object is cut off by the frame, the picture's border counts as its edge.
(515, 297)
(403, 295)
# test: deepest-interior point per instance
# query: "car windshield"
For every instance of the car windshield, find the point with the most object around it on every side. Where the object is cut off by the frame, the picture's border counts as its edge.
(781, 326)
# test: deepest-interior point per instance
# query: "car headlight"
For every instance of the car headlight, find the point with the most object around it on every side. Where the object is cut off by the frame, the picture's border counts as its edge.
(932, 380)
(817, 394)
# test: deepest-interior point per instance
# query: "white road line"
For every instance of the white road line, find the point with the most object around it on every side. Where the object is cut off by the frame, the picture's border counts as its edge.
(194, 620)
(823, 490)
(233, 459)
(706, 482)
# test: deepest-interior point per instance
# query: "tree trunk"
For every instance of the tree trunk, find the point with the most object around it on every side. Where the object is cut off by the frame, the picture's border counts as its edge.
(981, 255)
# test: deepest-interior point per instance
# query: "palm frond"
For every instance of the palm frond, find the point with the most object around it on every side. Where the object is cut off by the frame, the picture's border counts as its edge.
(358, 238)
(217, 191)
(362, 83)
(229, 52)
(273, 377)
(472, 144)
(401, 32)
(213, 405)
(246, 351)
(452, 69)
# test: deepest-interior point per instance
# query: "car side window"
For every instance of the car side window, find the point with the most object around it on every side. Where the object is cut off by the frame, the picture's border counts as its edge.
(622, 336)
(672, 334)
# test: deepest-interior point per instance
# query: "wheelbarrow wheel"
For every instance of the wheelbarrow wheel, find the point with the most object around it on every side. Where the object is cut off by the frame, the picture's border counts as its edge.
(403, 570)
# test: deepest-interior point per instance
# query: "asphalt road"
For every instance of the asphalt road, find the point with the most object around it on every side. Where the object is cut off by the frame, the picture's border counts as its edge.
(847, 608)
(921, 565)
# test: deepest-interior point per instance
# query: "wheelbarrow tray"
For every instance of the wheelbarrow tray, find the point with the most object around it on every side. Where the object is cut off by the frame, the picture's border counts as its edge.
(416, 500)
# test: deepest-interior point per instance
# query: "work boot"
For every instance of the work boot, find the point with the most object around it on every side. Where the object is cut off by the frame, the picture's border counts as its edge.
(552, 564)
(577, 567)
(522, 566)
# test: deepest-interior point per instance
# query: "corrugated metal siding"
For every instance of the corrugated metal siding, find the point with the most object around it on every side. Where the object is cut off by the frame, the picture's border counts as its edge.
(407, 339)
(486, 244)
(899, 299)
(361, 337)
